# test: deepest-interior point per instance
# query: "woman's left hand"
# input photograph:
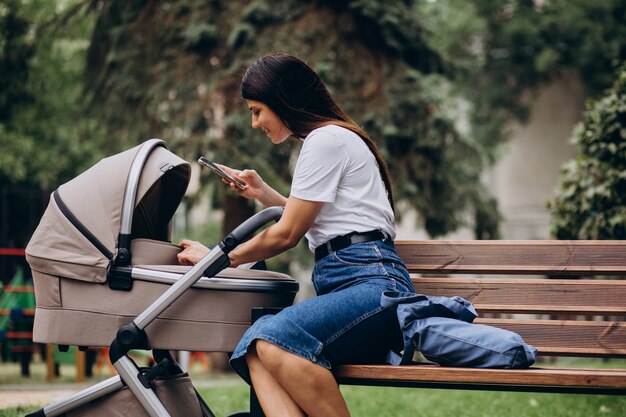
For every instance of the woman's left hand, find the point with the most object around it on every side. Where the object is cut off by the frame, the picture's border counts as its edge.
(192, 252)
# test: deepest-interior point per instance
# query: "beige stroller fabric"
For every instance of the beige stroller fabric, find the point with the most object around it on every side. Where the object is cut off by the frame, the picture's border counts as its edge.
(73, 312)
(95, 198)
(176, 393)
(76, 244)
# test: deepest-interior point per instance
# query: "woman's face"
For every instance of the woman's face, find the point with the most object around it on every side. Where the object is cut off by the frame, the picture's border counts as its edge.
(264, 118)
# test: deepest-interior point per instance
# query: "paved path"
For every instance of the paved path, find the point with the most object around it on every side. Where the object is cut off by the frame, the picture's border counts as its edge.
(44, 394)
(16, 395)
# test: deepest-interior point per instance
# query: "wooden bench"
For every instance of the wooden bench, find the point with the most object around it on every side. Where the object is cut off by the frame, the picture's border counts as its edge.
(565, 315)
(538, 289)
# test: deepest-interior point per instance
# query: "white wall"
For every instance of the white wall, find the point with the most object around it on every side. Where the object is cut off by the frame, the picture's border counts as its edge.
(525, 178)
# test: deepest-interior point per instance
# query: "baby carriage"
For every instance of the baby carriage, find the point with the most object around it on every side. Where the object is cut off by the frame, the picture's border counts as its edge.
(105, 275)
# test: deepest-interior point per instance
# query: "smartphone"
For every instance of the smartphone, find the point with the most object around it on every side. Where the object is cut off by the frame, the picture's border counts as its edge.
(205, 162)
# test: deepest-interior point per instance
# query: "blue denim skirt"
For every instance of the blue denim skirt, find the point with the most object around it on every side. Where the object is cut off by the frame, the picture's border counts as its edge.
(345, 322)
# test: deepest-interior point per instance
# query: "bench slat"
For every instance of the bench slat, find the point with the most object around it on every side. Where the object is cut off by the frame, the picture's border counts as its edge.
(549, 297)
(569, 337)
(531, 257)
(604, 297)
(614, 379)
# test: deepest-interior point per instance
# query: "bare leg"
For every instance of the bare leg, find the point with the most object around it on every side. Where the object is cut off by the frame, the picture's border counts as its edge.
(273, 398)
(311, 387)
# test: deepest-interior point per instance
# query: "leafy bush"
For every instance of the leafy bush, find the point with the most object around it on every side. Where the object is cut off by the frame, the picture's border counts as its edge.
(591, 198)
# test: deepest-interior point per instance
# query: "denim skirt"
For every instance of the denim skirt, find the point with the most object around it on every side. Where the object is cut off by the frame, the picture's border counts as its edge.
(345, 322)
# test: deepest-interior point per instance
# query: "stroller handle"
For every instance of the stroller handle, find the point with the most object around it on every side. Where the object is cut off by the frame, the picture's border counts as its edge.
(245, 229)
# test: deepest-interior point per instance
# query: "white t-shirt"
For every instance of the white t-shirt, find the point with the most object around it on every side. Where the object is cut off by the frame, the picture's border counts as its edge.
(336, 167)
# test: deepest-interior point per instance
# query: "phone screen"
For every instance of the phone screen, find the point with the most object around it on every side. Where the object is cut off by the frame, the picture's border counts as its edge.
(205, 162)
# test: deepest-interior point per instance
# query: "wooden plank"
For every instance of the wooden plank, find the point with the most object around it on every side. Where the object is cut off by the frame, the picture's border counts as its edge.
(592, 296)
(533, 257)
(569, 337)
(597, 378)
(547, 296)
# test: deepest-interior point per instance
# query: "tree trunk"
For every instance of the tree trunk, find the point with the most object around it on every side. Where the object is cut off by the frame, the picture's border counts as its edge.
(236, 211)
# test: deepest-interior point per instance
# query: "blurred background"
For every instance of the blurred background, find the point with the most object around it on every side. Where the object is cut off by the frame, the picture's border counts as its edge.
(498, 118)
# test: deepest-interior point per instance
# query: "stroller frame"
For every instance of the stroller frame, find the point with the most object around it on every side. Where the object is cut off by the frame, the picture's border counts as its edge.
(132, 335)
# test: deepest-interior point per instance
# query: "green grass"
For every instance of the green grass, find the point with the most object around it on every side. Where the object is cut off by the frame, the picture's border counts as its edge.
(396, 402)
(231, 396)
(17, 412)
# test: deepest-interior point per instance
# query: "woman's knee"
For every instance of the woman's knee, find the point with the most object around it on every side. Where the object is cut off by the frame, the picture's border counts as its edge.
(270, 355)
(277, 361)
(252, 359)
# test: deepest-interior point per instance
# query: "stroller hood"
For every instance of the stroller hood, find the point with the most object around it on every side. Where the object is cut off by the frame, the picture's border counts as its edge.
(79, 233)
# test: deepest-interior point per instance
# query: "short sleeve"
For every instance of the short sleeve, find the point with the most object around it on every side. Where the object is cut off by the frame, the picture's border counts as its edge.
(320, 167)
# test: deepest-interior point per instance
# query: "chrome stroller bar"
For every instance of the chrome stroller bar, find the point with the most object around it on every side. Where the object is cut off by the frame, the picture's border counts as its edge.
(130, 193)
(87, 395)
(134, 331)
(132, 335)
(215, 283)
(215, 261)
(144, 394)
(216, 255)
(131, 185)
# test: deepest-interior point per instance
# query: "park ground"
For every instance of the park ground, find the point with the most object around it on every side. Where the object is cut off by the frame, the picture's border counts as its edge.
(227, 394)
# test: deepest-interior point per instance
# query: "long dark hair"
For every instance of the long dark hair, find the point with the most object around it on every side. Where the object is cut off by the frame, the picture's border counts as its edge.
(298, 96)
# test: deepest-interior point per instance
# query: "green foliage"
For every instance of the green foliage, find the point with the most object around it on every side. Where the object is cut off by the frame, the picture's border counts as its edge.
(503, 50)
(372, 55)
(44, 139)
(437, 167)
(591, 198)
(242, 34)
(199, 37)
(395, 28)
(15, 52)
(171, 70)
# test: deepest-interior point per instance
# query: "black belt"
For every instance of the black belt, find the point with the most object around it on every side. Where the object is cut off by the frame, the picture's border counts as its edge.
(344, 241)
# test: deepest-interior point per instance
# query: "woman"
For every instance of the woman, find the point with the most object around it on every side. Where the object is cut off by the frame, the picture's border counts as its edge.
(341, 201)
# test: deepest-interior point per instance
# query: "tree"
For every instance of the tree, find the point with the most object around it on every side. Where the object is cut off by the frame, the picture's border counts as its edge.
(413, 73)
(503, 50)
(45, 139)
(173, 70)
(590, 201)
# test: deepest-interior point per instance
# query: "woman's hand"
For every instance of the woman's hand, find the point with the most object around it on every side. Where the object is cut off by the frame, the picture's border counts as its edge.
(254, 183)
(256, 188)
(192, 252)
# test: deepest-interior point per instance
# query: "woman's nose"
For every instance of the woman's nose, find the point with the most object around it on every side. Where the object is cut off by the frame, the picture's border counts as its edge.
(255, 122)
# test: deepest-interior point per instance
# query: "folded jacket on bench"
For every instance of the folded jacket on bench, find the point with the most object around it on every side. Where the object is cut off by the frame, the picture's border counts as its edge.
(441, 329)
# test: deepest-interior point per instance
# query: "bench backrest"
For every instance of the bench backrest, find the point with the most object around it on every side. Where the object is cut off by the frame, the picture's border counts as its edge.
(560, 311)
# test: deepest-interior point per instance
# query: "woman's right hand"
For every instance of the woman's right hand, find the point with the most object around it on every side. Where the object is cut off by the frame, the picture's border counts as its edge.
(192, 252)
(255, 186)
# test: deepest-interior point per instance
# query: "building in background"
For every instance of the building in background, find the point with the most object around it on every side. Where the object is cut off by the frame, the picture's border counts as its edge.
(527, 173)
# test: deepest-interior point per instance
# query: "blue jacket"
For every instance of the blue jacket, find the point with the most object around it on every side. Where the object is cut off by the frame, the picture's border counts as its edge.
(441, 329)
